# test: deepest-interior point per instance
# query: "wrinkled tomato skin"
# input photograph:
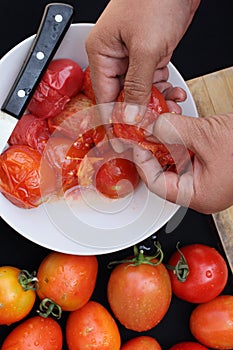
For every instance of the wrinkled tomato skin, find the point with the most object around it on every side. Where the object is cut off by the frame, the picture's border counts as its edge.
(211, 323)
(208, 273)
(188, 346)
(132, 291)
(16, 303)
(87, 85)
(22, 176)
(141, 343)
(95, 327)
(35, 333)
(69, 280)
(117, 177)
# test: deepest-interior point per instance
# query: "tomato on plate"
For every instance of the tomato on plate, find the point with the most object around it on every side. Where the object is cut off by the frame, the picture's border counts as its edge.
(139, 292)
(92, 327)
(31, 131)
(143, 342)
(117, 176)
(17, 295)
(22, 176)
(211, 323)
(198, 273)
(68, 280)
(62, 80)
(188, 345)
(35, 333)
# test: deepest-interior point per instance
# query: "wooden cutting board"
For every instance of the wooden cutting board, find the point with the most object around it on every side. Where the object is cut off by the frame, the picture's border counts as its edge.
(213, 94)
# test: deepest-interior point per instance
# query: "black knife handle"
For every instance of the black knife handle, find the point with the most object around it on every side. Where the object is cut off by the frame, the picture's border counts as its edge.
(55, 22)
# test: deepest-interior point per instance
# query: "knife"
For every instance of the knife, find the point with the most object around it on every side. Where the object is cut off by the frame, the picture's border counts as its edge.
(54, 24)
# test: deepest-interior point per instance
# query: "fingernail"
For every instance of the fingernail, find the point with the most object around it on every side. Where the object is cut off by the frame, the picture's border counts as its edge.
(131, 115)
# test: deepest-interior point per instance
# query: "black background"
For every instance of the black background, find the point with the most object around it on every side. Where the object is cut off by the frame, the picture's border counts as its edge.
(206, 47)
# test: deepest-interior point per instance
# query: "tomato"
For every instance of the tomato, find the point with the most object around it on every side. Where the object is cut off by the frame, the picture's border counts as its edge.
(87, 85)
(92, 327)
(62, 80)
(188, 345)
(22, 176)
(211, 323)
(171, 157)
(31, 131)
(71, 121)
(139, 293)
(142, 342)
(68, 280)
(206, 277)
(16, 298)
(35, 333)
(117, 176)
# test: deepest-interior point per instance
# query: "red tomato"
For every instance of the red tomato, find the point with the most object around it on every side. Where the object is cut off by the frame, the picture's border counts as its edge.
(117, 177)
(92, 327)
(16, 301)
(173, 157)
(188, 345)
(207, 276)
(211, 323)
(132, 291)
(87, 85)
(31, 131)
(35, 333)
(68, 280)
(141, 343)
(22, 176)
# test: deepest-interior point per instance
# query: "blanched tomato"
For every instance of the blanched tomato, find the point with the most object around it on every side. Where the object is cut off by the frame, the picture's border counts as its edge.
(188, 345)
(62, 80)
(35, 333)
(92, 327)
(211, 323)
(206, 273)
(87, 85)
(15, 299)
(22, 176)
(68, 280)
(143, 342)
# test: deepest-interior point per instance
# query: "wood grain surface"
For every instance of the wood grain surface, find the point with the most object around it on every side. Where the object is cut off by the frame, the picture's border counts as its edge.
(213, 94)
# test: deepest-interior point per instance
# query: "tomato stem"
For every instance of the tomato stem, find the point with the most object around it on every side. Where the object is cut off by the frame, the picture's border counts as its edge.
(139, 257)
(27, 280)
(181, 270)
(48, 307)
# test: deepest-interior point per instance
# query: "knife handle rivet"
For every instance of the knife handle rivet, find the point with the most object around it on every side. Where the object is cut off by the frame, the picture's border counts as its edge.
(21, 93)
(58, 18)
(40, 55)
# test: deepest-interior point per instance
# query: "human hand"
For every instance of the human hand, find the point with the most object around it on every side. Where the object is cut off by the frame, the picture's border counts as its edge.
(132, 42)
(207, 185)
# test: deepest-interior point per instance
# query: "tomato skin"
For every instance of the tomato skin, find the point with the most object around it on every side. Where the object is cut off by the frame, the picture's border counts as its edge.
(211, 323)
(132, 291)
(16, 303)
(117, 177)
(87, 85)
(22, 176)
(69, 280)
(188, 345)
(35, 333)
(95, 327)
(141, 343)
(208, 273)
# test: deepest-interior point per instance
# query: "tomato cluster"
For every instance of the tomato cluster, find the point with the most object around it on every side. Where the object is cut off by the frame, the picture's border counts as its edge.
(138, 293)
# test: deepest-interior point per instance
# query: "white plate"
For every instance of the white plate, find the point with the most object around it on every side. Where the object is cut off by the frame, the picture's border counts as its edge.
(92, 224)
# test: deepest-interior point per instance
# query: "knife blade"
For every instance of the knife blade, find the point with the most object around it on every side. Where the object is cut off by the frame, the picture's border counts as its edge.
(54, 24)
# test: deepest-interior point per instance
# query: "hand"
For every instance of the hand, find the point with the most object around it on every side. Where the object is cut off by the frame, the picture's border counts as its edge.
(207, 186)
(131, 41)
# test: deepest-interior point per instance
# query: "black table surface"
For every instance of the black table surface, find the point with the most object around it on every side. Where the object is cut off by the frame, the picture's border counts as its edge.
(206, 47)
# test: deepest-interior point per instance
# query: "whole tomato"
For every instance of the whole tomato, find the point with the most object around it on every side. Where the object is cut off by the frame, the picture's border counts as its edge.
(188, 345)
(142, 342)
(68, 280)
(139, 292)
(92, 327)
(22, 176)
(17, 294)
(211, 323)
(35, 333)
(198, 273)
